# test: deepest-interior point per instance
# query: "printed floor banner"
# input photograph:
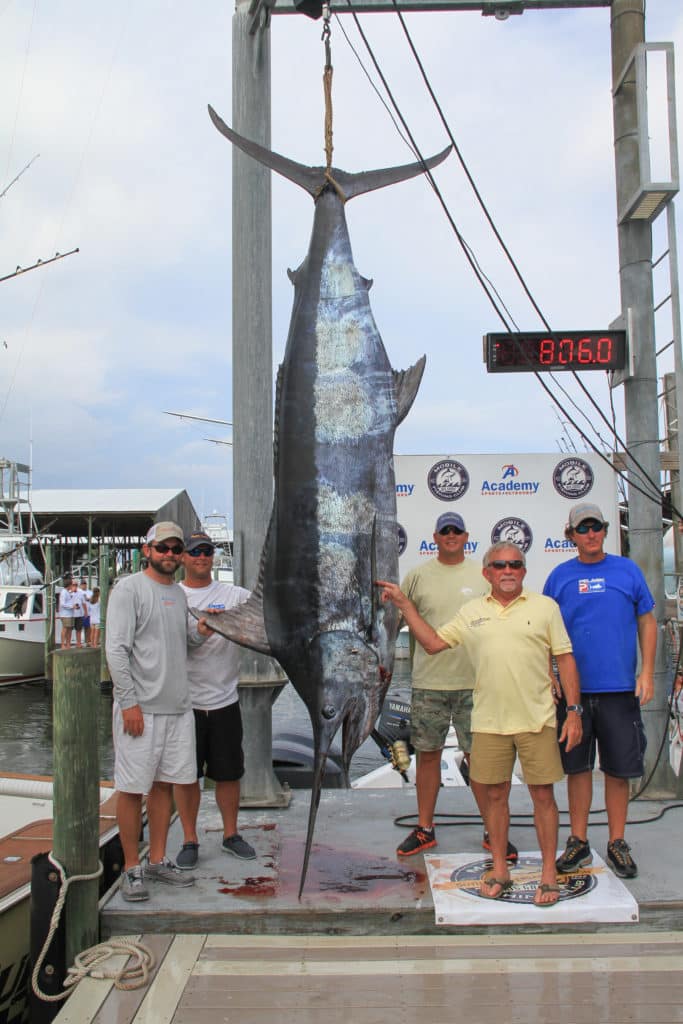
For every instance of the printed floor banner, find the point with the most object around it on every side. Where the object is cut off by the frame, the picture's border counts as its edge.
(590, 894)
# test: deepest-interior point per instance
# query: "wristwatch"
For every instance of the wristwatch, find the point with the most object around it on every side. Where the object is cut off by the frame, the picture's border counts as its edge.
(575, 707)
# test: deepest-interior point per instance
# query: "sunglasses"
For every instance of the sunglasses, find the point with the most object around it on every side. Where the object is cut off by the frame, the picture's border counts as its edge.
(163, 549)
(450, 529)
(593, 526)
(203, 549)
(512, 563)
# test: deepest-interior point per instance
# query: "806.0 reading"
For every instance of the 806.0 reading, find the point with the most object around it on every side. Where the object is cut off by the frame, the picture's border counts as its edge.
(562, 350)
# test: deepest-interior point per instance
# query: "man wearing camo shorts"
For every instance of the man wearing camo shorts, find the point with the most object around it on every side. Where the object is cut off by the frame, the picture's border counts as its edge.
(441, 684)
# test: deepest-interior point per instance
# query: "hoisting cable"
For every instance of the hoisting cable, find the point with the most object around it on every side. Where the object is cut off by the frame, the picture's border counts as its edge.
(327, 90)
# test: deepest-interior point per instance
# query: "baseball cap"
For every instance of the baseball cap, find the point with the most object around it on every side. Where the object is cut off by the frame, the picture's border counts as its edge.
(581, 512)
(450, 519)
(163, 531)
(196, 539)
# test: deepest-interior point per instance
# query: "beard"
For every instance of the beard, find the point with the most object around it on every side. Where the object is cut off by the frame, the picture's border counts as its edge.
(167, 565)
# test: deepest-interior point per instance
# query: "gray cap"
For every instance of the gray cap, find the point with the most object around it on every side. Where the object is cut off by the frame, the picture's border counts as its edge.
(164, 531)
(581, 512)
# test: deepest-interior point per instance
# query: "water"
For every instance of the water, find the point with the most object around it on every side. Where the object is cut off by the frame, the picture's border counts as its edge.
(26, 727)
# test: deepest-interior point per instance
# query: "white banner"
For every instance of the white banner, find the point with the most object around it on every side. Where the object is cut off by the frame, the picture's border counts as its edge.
(590, 894)
(521, 498)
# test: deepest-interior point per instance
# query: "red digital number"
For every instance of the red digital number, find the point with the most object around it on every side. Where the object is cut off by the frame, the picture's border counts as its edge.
(604, 352)
(565, 352)
(546, 352)
(585, 351)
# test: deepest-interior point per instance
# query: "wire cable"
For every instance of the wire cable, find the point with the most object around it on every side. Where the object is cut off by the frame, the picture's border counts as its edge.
(656, 487)
(655, 493)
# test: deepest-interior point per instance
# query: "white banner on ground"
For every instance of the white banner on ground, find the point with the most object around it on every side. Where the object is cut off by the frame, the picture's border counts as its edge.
(591, 894)
(524, 499)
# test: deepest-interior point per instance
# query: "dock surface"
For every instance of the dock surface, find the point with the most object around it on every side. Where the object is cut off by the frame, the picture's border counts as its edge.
(248, 979)
(363, 946)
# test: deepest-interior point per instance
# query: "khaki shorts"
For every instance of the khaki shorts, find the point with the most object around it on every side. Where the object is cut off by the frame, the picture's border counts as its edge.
(166, 752)
(493, 757)
(68, 622)
(431, 713)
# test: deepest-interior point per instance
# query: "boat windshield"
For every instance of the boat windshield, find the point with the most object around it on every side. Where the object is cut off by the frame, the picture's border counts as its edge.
(14, 603)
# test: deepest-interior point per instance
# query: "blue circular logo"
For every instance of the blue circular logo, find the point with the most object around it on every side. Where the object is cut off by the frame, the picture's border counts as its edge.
(448, 480)
(525, 875)
(514, 531)
(573, 478)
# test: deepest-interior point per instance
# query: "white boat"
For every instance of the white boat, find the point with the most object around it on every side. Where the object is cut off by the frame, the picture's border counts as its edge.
(215, 525)
(22, 597)
(26, 815)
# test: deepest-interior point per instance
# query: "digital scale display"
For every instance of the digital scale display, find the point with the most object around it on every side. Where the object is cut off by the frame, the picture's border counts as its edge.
(562, 350)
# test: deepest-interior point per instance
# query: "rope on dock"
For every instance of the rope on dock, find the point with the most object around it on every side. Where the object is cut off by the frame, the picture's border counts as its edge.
(87, 963)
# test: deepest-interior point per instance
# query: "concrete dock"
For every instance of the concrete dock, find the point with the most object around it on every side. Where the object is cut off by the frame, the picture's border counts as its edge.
(356, 884)
(363, 946)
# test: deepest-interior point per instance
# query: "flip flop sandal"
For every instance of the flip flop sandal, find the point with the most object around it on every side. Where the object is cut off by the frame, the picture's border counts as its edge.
(489, 880)
(543, 887)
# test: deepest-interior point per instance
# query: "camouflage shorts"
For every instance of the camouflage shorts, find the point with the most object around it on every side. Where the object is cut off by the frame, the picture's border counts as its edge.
(431, 712)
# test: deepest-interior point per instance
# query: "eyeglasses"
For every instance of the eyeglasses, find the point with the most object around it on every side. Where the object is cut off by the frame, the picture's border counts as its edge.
(203, 549)
(512, 563)
(592, 525)
(450, 529)
(163, 549)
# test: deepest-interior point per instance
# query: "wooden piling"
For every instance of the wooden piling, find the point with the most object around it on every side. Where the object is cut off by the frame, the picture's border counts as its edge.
(75, 702)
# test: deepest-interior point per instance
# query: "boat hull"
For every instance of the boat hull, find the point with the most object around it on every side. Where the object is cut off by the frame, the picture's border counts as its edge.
(31, 834)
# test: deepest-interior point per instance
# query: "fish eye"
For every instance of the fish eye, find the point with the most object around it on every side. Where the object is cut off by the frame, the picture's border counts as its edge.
(328, 711)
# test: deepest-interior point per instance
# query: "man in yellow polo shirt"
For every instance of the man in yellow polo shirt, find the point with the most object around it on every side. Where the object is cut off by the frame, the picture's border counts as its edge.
(510, 635)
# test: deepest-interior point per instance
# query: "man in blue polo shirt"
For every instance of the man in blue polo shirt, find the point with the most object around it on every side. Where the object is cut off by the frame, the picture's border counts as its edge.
(607, 609)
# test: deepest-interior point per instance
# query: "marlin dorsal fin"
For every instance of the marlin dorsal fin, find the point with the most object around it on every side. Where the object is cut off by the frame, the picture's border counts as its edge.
(407, 383)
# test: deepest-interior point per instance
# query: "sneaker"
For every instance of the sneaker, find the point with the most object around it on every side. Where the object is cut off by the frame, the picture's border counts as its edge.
(188, 856)
(239, 847)
(620, 859)
(512, 851)
(133, 885)
(419, 839)
(167, 872)
(577, 853)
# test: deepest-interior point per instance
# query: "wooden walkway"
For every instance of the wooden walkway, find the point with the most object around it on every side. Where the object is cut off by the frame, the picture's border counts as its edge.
(514, 979)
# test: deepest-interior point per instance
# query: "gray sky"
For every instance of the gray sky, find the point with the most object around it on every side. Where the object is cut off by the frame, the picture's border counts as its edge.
(114, 97)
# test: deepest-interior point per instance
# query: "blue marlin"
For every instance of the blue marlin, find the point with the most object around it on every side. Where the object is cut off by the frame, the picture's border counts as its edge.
(333, 528)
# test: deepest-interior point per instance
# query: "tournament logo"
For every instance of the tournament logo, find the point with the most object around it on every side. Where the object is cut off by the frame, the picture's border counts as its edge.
(448, 480)
(525, 875)
(573, 478)
(402, 539)
(514, 531)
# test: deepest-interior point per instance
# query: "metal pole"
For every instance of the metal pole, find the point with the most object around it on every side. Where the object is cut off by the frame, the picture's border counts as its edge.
(261, 679)
(103, 579)
(640, 391)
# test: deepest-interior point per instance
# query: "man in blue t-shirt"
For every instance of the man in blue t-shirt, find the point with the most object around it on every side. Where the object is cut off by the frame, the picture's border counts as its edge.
(607, 609)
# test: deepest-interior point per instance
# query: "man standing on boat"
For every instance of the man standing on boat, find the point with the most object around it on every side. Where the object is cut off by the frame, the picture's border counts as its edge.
(441, 686)
(213, 671)
(510, 634)
(607, 608)
(154, 747)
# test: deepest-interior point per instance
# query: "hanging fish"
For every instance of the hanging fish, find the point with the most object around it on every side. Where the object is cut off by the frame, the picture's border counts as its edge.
(333, 528)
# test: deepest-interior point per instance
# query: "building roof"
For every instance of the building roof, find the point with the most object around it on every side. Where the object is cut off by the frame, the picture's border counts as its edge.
(111, 512)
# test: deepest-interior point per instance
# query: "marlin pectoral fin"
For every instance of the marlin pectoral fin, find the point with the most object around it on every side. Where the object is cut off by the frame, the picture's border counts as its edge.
(243, 625)
(407, 383)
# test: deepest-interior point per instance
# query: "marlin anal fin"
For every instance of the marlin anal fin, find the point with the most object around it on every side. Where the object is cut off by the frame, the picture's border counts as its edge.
(407, 383)
(244, 625)
(314, 179)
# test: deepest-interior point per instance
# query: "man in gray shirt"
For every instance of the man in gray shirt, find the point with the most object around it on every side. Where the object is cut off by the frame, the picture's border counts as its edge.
(154, 743)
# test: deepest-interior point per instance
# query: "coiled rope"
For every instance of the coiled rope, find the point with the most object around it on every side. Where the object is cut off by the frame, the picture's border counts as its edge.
(87, 964)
